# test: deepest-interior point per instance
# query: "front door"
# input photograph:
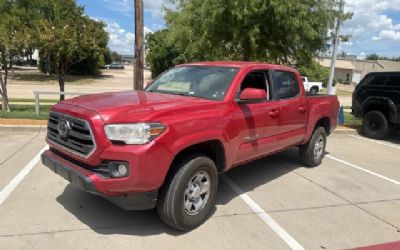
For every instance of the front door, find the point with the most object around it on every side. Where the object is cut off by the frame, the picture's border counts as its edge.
(258, 122)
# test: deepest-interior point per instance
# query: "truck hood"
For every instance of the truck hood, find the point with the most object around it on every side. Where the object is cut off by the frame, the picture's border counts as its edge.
(138, 106)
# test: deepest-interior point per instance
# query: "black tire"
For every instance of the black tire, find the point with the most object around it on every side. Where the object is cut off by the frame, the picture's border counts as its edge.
(173, 197)
(311, 154)
(375, 125)
(314, 91)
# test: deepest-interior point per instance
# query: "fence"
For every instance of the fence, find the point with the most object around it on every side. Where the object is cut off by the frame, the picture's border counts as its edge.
(38, 93)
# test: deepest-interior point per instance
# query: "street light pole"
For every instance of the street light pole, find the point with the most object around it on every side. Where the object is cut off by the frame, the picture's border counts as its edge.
(335, 46)
(139, 46)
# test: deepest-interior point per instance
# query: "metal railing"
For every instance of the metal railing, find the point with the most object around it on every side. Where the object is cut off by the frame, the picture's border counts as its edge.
(38, 93)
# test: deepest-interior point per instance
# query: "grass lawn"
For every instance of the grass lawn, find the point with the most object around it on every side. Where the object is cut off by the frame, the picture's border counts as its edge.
(25, 112)
(30, 100)
(351, 121)
(50, 79)
(339, 92)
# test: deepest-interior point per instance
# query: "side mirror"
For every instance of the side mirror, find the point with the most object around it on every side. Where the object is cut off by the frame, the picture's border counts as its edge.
(253, 94)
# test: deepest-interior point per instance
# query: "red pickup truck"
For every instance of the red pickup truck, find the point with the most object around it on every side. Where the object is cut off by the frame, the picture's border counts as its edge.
(164, 147)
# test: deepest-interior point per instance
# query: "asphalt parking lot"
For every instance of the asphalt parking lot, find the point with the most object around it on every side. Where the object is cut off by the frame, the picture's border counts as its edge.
(351, 200)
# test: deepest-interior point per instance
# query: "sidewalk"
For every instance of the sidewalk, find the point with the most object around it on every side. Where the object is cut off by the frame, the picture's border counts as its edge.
(22, 122)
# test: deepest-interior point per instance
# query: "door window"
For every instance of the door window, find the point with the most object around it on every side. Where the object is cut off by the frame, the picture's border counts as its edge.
(257, 80)
(378, 80)
(394, 80)
(287, 84)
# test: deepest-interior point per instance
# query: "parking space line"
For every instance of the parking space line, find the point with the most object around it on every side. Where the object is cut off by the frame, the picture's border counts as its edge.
(364, 170)
(5, 193)
(289, 240)
(375, 141)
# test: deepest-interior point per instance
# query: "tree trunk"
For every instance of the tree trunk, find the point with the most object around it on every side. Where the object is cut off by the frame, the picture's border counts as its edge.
(61, 70)
(30, 52)
(61, 82)
(3, 90)
(246, 48)
(11, 64)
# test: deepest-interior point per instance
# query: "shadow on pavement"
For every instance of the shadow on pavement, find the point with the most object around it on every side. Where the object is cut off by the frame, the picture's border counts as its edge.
(394, 137)
(105, 218)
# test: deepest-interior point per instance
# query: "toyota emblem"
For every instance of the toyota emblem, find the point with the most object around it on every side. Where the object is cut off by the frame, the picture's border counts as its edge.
(63, 128)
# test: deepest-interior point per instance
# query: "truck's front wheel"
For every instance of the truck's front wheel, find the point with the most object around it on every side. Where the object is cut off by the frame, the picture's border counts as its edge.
(189, 195)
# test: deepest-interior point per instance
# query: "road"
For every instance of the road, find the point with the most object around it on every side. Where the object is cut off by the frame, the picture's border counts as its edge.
(110, 80)
(351, 200)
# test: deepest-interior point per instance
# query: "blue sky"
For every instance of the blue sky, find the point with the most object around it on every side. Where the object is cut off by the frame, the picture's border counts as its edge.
(375, 27)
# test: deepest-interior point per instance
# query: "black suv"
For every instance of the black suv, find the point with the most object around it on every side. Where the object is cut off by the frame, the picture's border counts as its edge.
(377, 101)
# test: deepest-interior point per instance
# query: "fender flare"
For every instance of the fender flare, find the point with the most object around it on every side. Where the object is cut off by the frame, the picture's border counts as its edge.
(377, 100)
(311, 127)
(199, 137)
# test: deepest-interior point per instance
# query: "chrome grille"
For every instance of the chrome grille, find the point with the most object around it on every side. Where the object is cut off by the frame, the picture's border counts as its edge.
(78, 139)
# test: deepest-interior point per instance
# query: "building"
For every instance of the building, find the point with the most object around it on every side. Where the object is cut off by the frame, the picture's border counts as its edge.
(353, 70)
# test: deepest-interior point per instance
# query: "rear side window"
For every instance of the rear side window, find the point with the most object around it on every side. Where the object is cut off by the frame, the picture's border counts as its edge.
(378, 80)
(287, 84)
(394, 80)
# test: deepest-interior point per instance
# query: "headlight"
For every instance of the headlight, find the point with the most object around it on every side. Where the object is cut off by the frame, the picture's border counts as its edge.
(139, 133)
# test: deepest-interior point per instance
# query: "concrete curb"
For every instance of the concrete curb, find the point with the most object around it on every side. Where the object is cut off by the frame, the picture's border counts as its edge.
(343, 129)
(23, 128)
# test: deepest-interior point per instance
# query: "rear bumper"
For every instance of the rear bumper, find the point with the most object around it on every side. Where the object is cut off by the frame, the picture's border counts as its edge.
(84, 180)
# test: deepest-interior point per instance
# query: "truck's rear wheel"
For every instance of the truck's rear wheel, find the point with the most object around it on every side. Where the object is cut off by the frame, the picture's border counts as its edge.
(313, 152)
(189, 194)
(314, 91)
(375, 125)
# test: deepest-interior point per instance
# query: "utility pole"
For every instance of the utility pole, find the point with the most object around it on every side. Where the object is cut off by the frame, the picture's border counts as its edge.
(339, 22)
(139, 44)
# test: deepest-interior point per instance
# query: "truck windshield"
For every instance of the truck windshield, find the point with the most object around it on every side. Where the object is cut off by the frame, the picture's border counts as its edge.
(205, 82)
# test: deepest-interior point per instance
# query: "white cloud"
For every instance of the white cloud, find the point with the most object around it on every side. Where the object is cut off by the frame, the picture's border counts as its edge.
(390, 35)
(124, 7)
(121, 40)
(154, 7)
(372, 29)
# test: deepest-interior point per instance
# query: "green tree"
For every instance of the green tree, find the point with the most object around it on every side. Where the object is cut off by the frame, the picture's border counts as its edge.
(28, 15)
(116, 57)
(373, 57)
(278, 31)
(260, 30)
(68, 36)
(314, 71)
(12, 40)
(107, 56)
(163, 54)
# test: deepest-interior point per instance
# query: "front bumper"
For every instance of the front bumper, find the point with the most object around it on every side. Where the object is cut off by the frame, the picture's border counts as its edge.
(83, 179)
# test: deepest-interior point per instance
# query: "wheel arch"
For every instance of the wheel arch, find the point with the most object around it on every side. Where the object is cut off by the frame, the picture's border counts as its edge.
(322, 121)
(325, 123)
(381, 104)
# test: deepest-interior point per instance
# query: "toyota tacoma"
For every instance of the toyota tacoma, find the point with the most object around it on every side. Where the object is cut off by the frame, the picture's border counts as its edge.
(164, 147)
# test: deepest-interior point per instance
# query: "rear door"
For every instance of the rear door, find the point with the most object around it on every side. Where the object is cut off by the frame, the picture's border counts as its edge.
(393, 85)
(256, 123)
(293, 108)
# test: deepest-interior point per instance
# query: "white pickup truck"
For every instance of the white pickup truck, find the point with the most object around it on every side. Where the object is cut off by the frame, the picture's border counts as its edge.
(312, 87)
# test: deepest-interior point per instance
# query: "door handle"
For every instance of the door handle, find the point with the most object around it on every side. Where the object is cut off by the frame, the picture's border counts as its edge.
(274, 113)
(302, 109)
